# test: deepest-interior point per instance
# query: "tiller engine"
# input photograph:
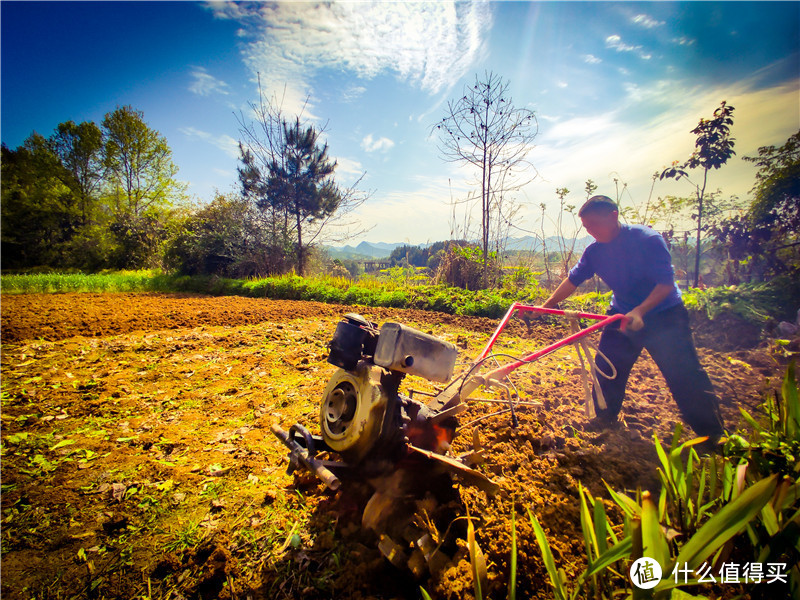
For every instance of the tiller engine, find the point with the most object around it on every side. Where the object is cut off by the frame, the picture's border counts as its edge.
(397, 443)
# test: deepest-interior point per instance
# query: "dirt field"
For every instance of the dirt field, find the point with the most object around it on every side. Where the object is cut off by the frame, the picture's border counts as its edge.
(138, 462)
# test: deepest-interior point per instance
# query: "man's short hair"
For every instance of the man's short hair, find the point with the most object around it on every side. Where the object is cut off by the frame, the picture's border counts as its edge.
(597, 205)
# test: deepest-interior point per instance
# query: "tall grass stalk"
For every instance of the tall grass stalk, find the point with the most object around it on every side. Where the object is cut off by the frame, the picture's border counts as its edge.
(512, 576)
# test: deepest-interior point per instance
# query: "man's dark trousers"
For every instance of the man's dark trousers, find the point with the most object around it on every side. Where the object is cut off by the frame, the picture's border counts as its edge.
(668, 339)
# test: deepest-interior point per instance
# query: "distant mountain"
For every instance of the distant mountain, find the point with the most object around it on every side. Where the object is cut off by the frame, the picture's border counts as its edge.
(368, 250)
(553, 242)
(377, 250)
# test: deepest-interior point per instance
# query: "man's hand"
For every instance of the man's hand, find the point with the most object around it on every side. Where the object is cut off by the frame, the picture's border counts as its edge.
(635, 322)
(659, 292)
(563, 291)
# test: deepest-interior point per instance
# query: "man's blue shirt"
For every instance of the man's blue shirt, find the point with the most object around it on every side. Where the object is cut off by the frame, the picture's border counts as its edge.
(631, 264)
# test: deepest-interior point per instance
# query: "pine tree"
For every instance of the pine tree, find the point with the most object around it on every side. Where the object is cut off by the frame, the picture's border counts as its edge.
(300, 182)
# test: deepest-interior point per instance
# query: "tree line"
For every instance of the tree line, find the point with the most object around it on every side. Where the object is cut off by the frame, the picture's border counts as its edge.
(91, 197)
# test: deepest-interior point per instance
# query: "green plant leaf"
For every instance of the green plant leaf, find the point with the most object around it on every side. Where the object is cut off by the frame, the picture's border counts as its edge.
(728, 522)
(589, 537)
(477, 560)
(16, 438)
(654, 544)
(662, 457)
(600, 528)
(751, 421)
(791, 403)
(612, 555)
(61, 444)
(628, 506)
(547, 555)
(512, 576)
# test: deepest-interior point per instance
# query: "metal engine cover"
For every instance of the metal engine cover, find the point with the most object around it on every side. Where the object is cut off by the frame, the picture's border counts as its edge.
(405, 349)
(352, 411)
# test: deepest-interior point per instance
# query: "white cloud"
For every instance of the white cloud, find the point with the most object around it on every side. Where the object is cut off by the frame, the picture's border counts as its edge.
(683, 41)
(415, 216)
(431, 45)
(615, 42)
(352, 92)
(608, 145)
(382, 144)
(224, 142)
(205, 84)
(646, 21)
(602, 147)
(348, 169)
(591, 59)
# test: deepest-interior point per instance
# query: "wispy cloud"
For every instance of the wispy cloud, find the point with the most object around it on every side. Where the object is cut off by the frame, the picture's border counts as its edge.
(430, 45)
(615, 43)
(352, 92)
(683, 41)
(591, 59)
(369, 144)
(646, 21)
(348, 168)
(205, 84)
(224, 142)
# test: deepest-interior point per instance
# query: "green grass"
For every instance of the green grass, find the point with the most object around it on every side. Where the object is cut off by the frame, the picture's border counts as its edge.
(371, 291)
(754, 302)
(121, 281)
(757, 303)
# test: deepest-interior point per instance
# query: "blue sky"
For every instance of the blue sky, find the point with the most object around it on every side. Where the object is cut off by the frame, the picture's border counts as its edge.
(616, 87)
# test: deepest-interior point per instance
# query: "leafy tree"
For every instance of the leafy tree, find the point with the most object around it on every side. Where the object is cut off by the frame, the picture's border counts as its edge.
(142, 186)
(222, 238)
(88, 198)
(777, 181)
(484, 130)
(36, 206)
(414, 255)
(139, 163)
(423, 257)
(79, 148)
(271, 216)
(765, 240)
(713, 148)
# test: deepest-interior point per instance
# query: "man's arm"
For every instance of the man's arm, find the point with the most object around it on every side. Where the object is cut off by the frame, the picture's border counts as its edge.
(661, 291)
(563, 291)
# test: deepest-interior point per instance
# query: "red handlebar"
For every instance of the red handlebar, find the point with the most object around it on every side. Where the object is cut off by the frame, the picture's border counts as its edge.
(506, 369)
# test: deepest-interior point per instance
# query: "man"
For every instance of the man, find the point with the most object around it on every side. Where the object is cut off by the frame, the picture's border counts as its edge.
(635, 263)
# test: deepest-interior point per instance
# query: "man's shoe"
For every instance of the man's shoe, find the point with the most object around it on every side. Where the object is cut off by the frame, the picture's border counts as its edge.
(713, 445)
(602, 423)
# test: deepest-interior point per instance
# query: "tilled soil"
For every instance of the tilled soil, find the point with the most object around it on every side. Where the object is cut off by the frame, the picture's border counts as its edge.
(138, 461)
